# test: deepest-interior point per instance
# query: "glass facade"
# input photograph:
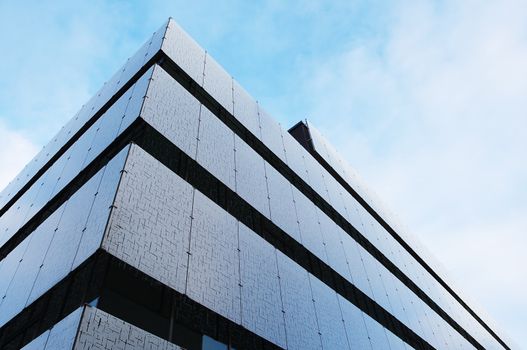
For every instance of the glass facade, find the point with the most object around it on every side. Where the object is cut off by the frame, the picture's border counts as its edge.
(187, 217)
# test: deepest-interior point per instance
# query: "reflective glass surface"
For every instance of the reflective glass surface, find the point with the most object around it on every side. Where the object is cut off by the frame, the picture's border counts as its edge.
(76, 158)
(395, 342)
(356, 266)
(136, 103)
(386, 243)
(212, 344)
(65, 240)
(372, 267)
(61, 336)
(335, 195)
(100, 209)
(9, 266)
(38, 343)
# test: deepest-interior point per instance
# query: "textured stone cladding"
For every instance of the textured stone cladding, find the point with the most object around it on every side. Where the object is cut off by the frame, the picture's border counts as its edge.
(91, 328)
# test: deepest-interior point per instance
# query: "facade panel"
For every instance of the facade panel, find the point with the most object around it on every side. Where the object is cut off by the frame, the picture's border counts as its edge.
(251, 181)
(216, 148)
(86, 113)
(218, 83)
(246, 109)
(173, 110)
(214, 268)
(147, 193)
(175, 204)
(185, 52)
(355, 325)
(91, 328)
(60, 243)
(310, 232)
(329, 316)
(282, 206)
(260, 286)
(151, 220)
(272, 133)
(102, 331)
(61, 336)
(76, 158)
(299, 312)
(333, 243)
(22, 281)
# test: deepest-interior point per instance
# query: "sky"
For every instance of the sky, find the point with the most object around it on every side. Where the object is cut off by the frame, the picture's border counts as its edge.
(425, 99)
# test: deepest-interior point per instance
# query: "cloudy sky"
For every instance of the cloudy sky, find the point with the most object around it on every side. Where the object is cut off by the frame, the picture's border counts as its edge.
(426, 99)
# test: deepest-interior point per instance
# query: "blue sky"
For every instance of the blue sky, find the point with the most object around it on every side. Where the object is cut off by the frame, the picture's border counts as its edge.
(426, 99)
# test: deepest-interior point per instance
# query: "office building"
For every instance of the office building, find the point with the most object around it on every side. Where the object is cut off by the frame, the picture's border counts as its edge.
(173, 212)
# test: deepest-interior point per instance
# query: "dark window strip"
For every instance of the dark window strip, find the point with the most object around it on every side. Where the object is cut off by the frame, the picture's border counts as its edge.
(308, 145)
(167, 153)
(229, 120)
(160, 310)
(249, 138)
(187, 168)
(241, 131)
(132, 296)
(80, 179)
(80, 286)
(81, 131)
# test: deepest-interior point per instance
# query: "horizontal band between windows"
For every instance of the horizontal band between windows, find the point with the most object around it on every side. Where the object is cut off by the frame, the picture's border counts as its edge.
(403, 243)
(266, 153)
(80, 179)
(81, 131)
(241, 131)
(131, 133)
(80, 286)
(153, 142)
(228, 119)
(163, 150)
(103, 277)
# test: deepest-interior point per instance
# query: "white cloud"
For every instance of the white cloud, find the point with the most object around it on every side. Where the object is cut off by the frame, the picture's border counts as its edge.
(433, 115)
(18, 151)
(55, 59)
